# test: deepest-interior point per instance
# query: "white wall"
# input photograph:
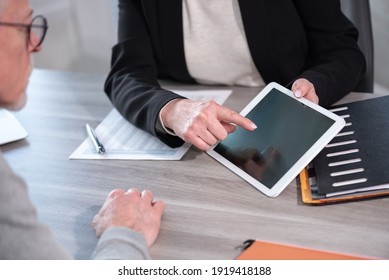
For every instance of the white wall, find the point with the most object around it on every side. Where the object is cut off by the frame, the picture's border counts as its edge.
(80, 36)
(380, 18)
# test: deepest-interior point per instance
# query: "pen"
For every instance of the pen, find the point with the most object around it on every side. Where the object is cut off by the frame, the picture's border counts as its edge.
(98, 146)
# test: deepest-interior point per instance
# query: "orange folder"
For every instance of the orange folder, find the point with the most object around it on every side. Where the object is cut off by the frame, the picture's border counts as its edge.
(307, 195)
(263, 250)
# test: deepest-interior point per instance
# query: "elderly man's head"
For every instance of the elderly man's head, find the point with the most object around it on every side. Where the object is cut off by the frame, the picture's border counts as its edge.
(16, 47)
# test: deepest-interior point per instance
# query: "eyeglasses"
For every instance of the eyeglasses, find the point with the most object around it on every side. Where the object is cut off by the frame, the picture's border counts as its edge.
(38, 28)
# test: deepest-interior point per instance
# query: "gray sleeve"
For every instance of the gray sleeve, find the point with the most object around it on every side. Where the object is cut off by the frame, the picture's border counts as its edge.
(121, 243)
(22, 236)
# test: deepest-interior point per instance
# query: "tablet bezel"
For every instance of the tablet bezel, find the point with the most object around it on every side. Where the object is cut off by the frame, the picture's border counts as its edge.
(300, 164)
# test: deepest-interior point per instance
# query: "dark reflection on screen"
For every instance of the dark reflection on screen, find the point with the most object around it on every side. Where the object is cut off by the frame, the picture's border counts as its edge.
(286, 130)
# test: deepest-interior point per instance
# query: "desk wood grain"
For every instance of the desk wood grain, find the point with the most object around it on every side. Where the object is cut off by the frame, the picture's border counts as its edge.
(210, 210)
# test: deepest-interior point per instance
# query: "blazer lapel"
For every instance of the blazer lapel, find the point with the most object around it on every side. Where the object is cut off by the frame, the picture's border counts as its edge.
(258, 34)
(172, 38)
(256, 25)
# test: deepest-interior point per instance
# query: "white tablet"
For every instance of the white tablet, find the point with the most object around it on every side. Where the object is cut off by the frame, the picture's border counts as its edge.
(290, 133)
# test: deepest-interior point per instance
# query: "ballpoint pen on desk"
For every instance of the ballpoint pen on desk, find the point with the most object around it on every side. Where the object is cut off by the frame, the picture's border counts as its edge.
(96, 143)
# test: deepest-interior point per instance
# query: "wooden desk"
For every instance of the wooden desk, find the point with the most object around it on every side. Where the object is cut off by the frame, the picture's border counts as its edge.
(210, 211)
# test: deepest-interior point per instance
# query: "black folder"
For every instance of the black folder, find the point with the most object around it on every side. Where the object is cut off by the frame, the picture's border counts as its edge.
(356, 162)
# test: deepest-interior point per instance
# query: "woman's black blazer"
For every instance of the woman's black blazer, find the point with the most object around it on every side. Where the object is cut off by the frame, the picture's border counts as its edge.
(288, 39)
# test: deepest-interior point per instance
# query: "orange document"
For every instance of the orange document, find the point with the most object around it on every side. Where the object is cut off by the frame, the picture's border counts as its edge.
(262, 250)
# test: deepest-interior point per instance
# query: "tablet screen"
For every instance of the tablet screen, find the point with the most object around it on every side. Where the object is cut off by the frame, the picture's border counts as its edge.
(286, 129)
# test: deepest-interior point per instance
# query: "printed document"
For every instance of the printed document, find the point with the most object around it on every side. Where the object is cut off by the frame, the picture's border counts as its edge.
(122, 140)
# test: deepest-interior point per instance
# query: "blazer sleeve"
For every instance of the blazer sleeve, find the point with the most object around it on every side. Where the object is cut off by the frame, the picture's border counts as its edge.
(132, 84)
(336, 61)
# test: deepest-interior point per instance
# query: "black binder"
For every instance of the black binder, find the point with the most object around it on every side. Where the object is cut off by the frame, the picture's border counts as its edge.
(356, 162)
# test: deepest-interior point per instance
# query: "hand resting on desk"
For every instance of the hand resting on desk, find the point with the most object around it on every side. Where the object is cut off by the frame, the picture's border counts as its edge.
(131, 209)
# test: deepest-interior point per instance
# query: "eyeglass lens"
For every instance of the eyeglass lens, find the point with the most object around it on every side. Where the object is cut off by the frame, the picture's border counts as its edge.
(38, 29)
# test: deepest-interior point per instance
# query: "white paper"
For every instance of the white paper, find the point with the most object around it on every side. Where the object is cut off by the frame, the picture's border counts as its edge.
(10, 128)
(122, 140)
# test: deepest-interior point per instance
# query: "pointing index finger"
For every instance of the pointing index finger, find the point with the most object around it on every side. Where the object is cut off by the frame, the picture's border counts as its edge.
(230, 116)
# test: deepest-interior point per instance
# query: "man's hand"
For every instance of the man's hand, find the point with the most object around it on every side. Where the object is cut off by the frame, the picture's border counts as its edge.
(304, 88)
(202, 123)
(130, 209)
